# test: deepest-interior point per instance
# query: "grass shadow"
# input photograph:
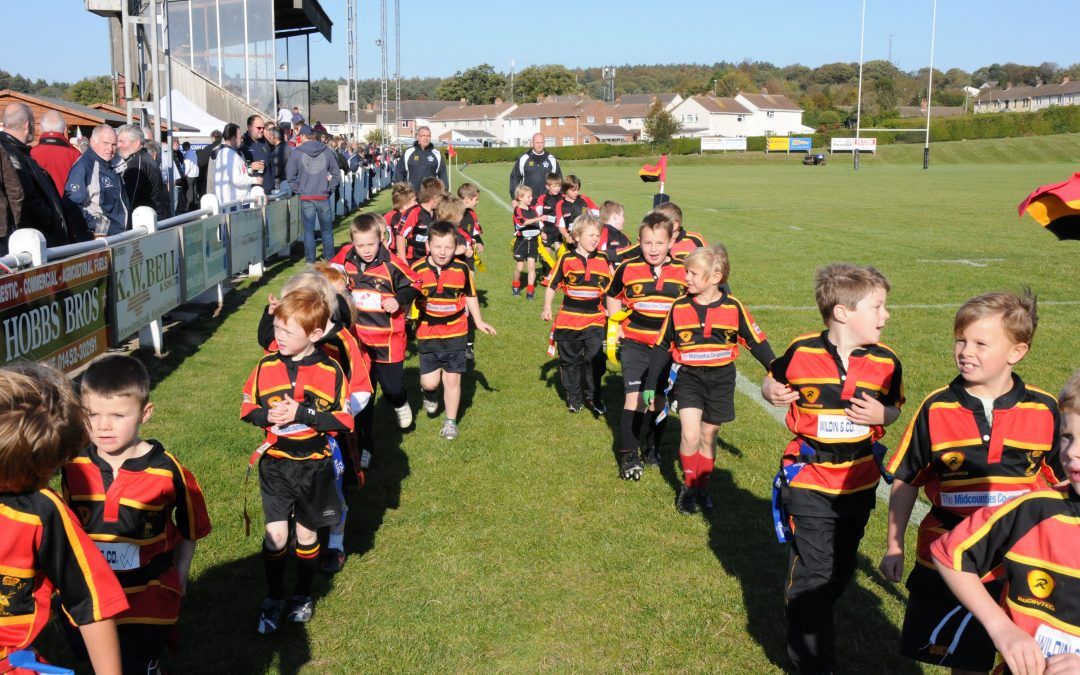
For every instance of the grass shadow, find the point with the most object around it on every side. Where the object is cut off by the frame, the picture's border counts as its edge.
(752, 556)
(469, 381)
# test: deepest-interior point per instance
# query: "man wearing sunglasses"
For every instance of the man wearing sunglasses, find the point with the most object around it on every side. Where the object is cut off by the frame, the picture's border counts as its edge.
(256, 151)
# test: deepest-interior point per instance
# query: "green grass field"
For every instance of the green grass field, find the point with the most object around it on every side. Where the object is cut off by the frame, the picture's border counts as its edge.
(515, 548)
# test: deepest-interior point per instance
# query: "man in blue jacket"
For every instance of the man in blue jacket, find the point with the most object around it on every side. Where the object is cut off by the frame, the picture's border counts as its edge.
(95, 188)
(421, 161)
(313, 173)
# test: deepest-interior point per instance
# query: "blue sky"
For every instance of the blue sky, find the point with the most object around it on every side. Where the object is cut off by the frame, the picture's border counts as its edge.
(442, 37)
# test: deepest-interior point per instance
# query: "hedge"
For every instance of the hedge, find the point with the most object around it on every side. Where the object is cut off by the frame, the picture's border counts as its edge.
(681, 146)
(1054, 120)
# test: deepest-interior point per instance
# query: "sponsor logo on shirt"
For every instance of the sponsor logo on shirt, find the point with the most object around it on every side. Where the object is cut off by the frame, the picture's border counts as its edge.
(1053, 641)
(651, 306)
(811, 394)
(1040, 583)
(839, 426)
(953, 459)
(978, 499)
(711, 355)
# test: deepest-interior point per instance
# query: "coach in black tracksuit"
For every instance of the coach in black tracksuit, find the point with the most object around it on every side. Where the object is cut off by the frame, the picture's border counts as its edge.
(421, 161)
(533, 167)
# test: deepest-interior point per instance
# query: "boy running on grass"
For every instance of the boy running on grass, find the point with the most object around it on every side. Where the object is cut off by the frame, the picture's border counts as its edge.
(983, 440)
(300, 396)
(527, 236)
(44, 550)
(702, 334)
(572, 206)
(613, 242)
(582, 275)
(447, 290)
(647, 286)
(149, 540)
(412, 236)
(1033, 544)
(403, 198)
(470, 222)
(849, 389)
(545, 208)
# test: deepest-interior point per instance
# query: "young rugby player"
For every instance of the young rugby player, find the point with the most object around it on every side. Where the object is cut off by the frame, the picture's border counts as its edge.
(702, 333)
(381, 285)
(545, 208)
(447, 291)
(403, 198)
(572, 206)
(1033, 544)
(44, 550)
(849, 389)
(612, 240)
(139, 505)
(647, 286)
(582, 275)
(300, 396)
(981, 441)
(470, 197)
(412, 236)
(682, 242)
(526, 233)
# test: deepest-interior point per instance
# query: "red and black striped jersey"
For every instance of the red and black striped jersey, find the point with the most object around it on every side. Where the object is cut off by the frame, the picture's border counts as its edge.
(43, 549)
(392, 219)
(613, 243)
(136, 518)
(1033, 542)
(470, 222)
(813, 368)
(318, 384)
(566, 211)
(523, 229)
(381, 333)
(339, 344)
(582, 279)
(710, 335)
(544, 205)
(964, 461)
(648, 292)
(443, 324)
(414, 230)
(684, 244)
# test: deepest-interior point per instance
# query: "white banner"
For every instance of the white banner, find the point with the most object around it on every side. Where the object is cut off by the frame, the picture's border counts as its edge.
(723, 143)
(145, 281)
(245, 239)
(849, 145)
(204, 255)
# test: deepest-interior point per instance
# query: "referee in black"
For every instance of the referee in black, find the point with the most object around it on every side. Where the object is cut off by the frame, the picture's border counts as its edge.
(421, 161)
(533, 167)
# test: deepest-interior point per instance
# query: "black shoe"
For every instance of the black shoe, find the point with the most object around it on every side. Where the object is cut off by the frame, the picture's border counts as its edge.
(469, 355)
(516, 290)
(596, 406)
(530, 296)
(704, 500)
(685, 503)
(652, 456)
(573, 407)
(630, 466)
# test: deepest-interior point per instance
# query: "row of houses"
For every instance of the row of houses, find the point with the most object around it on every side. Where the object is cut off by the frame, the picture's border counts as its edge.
(577, 120)
(1027, 98)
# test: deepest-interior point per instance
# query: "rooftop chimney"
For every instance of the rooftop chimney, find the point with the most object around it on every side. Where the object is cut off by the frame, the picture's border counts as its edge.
(498, 101)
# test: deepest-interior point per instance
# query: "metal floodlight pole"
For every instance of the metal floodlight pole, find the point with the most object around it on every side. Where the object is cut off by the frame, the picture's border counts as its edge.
(168, 102)
(930, 89)
(383, 97)
(858, 100)
(397, 64)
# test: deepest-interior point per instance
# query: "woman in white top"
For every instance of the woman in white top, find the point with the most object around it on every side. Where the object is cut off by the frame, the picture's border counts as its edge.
(229, 173)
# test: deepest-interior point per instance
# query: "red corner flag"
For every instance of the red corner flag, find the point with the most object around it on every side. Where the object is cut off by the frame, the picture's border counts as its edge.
(650, 173)
(450, 152)
(1056, 207)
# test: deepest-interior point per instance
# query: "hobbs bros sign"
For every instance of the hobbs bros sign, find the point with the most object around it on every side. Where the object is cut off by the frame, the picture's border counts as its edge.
(55, 314)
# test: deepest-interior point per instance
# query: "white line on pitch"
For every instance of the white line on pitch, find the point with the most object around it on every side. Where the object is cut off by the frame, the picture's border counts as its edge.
(751, 391)
(971, 262)
(945, 305)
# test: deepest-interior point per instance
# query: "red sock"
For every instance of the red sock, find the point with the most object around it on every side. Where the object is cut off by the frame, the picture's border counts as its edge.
(704, 470)
(530, 288)
(689, 469)
(516, 283)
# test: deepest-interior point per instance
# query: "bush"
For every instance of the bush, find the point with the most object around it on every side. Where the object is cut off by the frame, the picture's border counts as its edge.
(1054, 120)
(681, 146)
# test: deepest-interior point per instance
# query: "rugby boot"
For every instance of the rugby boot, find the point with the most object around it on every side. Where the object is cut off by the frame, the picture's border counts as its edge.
(301, 607)
(652, 455)
(704, 499)
(404, 416)
(685, 501)
(596, 406)
(630, 466)
(269, 616)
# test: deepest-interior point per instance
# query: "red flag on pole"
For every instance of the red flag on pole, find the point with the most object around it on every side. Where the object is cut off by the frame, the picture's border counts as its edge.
(650, 173)
(1056, 207)
(450, 152)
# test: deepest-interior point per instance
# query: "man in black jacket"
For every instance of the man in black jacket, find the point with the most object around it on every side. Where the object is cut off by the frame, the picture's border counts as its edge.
(203, 156)
(140, 174)
(256, 151)
(533, 167)
(421, 161)
(38, 206)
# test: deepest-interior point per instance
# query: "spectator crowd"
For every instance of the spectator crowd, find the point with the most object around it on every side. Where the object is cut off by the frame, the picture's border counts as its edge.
(73, 189)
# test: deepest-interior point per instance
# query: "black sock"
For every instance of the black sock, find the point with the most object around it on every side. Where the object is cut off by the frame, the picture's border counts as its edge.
(658, 431)
(431, 396)
(307, 563)
(630, 426)
(274, 563)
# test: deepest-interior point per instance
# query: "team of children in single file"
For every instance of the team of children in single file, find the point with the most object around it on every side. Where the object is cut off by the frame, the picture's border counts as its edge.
(998, 558)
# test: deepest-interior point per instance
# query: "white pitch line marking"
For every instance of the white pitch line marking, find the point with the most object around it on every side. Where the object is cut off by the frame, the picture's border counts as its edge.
(795, 227)
(748, 389)
(972, 262)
